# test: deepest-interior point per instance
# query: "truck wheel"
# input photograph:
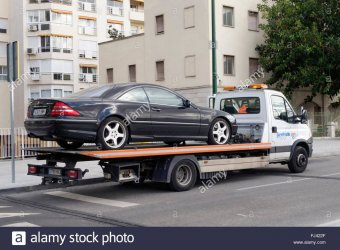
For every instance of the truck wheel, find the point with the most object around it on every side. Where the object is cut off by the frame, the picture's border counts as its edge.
(112, 134)
(299, 161)
(183, 176)
(219, 132)
(69, 144)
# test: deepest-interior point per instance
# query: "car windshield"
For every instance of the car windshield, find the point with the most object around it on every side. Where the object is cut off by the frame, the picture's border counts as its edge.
(92, 92)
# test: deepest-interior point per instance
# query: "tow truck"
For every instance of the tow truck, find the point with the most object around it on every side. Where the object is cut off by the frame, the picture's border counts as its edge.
(269, 132)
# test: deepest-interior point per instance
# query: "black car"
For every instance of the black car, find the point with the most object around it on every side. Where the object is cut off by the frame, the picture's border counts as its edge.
(114, 115)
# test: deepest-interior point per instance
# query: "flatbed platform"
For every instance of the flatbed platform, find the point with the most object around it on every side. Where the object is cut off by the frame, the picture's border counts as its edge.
(152, 151)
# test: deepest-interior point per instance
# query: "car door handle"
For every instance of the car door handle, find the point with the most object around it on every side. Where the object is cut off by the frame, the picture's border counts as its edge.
(274, 130)
(156, 109)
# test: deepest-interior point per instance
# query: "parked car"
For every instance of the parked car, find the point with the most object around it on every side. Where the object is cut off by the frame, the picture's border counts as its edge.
(114, 115)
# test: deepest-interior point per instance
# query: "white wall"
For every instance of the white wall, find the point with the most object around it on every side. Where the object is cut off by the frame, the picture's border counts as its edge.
(237, 41)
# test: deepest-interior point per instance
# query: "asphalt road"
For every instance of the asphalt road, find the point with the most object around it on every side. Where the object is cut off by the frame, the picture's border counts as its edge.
(264, 197)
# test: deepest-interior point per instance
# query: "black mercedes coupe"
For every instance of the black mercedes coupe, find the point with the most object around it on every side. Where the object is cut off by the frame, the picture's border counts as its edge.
(114, 115)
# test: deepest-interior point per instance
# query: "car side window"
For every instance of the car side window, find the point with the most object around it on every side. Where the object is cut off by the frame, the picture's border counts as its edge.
(281, 109)
(163, 97)
(135, 95)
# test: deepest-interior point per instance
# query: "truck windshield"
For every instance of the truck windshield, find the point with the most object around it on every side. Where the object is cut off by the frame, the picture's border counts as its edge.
(241, 105)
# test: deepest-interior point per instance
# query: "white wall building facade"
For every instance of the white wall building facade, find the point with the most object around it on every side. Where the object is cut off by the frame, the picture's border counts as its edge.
(177, 42)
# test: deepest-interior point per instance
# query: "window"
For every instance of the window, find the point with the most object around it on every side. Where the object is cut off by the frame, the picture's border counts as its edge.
(3, 49)
(190, 66)
(253, 21)
(189, 17)
(160, 24)
(3, 25)
(132, 73)
(109, 74)
(58, 93)
(253, 65)
(228, 16)
(88, 49)
(163, 97)
(282, 110)
(35, 95)
(67, 93)
(3, 73)
(135, 95)
(229, 65)
(45, 44)
(45, 93)
(243, 105)
(160, 75)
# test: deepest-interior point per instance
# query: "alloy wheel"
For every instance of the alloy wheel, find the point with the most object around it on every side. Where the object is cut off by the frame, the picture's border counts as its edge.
(114, 134)
(221, 132)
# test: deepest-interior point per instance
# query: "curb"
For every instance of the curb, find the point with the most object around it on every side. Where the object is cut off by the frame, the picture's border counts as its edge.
(52, 186)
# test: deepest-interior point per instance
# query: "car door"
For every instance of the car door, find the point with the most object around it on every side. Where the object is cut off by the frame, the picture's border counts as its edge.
(284, 131)
(169, 117)
(134, 105)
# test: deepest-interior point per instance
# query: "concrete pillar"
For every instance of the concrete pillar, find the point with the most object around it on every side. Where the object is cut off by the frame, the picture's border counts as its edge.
(331, 129)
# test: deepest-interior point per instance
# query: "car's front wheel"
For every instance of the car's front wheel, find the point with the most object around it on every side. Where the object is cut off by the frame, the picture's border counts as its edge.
(219, 132)
(112, 134)
(69, 144)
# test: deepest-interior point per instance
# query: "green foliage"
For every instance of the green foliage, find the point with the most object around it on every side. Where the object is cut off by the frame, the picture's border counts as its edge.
(302, 45)
(114, 34)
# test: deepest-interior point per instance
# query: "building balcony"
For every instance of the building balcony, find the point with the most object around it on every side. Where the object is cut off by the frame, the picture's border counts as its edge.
(115, 11)
(66, 2)
(136, 15)
(88, 78)
(88, 7)
(54, 77)
(87, 54)
(87, 31)
(49, 27)
(35, 51)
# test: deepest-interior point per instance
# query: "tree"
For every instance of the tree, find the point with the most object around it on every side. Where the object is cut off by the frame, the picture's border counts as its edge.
(115, 34)
(302, 45)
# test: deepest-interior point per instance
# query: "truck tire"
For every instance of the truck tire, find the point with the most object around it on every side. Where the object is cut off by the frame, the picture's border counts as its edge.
(69, 145)
(299, 161)
(183, 176)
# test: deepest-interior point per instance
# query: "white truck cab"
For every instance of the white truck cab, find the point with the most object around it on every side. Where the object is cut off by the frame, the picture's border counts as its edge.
(265, 115)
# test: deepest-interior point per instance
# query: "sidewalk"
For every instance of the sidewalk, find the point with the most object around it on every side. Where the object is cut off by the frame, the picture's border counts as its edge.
(323, 147)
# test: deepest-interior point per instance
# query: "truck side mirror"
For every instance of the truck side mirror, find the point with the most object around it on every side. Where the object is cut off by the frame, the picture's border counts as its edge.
(304, 115)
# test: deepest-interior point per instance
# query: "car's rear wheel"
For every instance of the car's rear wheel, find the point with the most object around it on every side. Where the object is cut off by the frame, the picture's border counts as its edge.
(219, 132)
(69, 144)
(112, 134)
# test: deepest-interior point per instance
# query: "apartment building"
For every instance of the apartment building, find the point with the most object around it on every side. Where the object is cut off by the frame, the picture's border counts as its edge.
(59, 44)
(4, 38)
(176, 51)
(176, 47)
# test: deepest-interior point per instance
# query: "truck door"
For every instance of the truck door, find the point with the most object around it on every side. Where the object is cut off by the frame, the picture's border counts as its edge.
(284, 131)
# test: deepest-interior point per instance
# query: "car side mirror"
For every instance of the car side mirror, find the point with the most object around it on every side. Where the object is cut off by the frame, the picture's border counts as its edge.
(187, 104)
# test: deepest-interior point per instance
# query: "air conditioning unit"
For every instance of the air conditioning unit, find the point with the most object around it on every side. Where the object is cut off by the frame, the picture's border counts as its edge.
(35, 77)
(33, 28)
(81, 77)
(32, 51)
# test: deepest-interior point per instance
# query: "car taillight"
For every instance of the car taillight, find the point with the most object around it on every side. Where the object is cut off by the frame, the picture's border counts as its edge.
(73, 174)
(32, 169)
(61, 109)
